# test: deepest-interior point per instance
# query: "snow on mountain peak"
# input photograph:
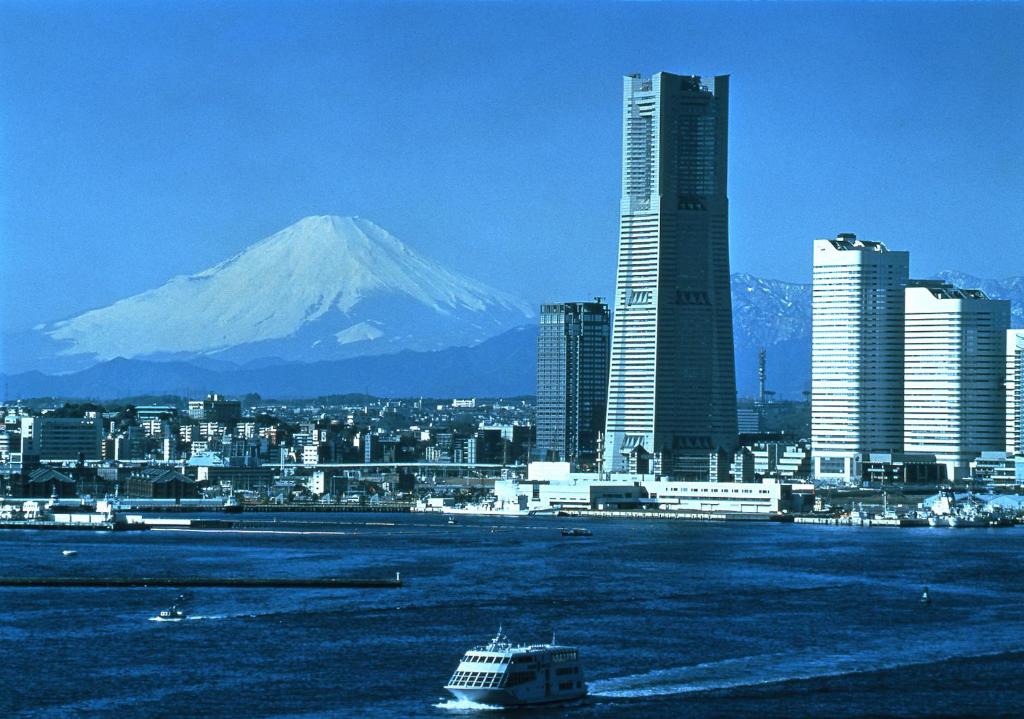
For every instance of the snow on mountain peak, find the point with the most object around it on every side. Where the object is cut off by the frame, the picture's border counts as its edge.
(323, 270)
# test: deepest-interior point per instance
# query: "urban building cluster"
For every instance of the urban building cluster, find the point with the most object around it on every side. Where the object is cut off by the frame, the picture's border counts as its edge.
(218, 446)
(913, 381)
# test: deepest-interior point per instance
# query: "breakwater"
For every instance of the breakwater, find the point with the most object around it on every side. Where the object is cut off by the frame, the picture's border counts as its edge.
(190, 582)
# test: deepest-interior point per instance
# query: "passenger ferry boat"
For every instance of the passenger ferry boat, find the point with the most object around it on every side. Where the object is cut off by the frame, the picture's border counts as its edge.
(504, 674)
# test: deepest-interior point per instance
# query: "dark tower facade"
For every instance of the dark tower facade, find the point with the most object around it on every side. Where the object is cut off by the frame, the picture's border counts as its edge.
(572, 380)
(672, 384)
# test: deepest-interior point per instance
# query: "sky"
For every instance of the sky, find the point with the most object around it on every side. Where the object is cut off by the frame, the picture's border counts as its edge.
(143, 140)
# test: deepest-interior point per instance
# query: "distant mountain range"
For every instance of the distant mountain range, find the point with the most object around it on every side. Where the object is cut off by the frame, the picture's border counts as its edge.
(333, 305)
(502, 366)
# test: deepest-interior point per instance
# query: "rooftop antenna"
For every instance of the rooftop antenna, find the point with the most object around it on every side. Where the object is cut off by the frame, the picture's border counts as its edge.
(762, 376)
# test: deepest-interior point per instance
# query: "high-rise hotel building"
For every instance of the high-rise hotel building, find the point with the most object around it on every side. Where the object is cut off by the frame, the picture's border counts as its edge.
(572, 381)
(954, 396)
(1015, 392)
(672, 383)
(857, 309)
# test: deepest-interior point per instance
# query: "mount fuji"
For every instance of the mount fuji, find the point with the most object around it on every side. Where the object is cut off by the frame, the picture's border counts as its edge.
(325, 288)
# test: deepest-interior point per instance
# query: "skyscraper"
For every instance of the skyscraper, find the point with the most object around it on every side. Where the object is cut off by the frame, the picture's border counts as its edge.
(857, 302)
(572, 380)
(954, 396)
(1015, 392)
(672, 383)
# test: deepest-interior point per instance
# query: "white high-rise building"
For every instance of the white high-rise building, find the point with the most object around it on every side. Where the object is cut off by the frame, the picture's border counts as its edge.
(1015, 391)
(857, 354)
(672, 383)
(954, 376)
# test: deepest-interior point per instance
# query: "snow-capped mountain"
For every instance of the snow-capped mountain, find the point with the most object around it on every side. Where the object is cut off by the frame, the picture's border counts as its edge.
(324, 288)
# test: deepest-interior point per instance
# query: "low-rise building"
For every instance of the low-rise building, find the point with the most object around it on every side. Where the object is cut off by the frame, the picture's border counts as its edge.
(161, 483)
(766, 497)
(43, 482)
(550, 485)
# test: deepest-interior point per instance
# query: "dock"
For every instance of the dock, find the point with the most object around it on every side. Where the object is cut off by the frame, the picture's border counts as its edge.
(110, 526)
(190, 582)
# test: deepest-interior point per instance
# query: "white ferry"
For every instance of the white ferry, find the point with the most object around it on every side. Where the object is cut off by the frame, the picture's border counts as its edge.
(504, 674)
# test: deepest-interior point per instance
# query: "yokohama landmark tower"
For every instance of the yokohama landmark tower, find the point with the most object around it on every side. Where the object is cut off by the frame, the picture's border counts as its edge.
(672, 383)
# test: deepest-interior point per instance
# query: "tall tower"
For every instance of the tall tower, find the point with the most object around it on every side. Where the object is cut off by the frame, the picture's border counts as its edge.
(857, 306)
(1015, 391)
(572, 380)
(672, 382)
(955, 371)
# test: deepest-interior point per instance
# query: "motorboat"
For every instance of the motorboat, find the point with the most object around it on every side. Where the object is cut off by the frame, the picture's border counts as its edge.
(175, 612)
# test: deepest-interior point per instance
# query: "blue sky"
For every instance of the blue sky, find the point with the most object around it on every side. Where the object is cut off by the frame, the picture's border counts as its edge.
(140, 140)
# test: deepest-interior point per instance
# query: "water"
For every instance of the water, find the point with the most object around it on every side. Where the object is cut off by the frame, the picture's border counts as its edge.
(672, 619)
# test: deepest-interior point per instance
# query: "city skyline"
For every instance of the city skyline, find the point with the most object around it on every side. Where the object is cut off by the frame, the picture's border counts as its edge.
(157, 169)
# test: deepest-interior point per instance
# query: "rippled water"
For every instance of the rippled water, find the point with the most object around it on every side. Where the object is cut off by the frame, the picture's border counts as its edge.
(672, 619)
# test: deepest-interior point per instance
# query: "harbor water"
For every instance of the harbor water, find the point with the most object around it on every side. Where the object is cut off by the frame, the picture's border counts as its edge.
(672, 619)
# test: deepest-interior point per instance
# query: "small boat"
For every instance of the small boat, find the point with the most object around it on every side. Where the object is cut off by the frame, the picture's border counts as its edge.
(577, 532)
(451, 520)
(507, 675)
(69, 552)
(173, 613)
(232, 505)
(925, 597)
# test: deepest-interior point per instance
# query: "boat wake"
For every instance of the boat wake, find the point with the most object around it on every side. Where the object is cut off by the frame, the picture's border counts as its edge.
(199, 617)
(464, 705)
(762, 669)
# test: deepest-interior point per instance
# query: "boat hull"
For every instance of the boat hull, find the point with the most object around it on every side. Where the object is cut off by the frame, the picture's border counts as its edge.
(507, 698)
(962, 522)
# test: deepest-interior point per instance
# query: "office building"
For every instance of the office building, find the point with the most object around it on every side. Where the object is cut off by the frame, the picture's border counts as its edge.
(1015, 392)
(572, 380)
(672, 383)
(215, 408)
(857, 354)
(955, 371)
(61, 438)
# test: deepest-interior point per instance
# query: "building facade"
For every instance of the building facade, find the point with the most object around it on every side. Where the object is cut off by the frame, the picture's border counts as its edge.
(857, 307)
(672, 383)
(572, 380)
(61, 438)
(955, 367)
(1015, 392)
(215, 408)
